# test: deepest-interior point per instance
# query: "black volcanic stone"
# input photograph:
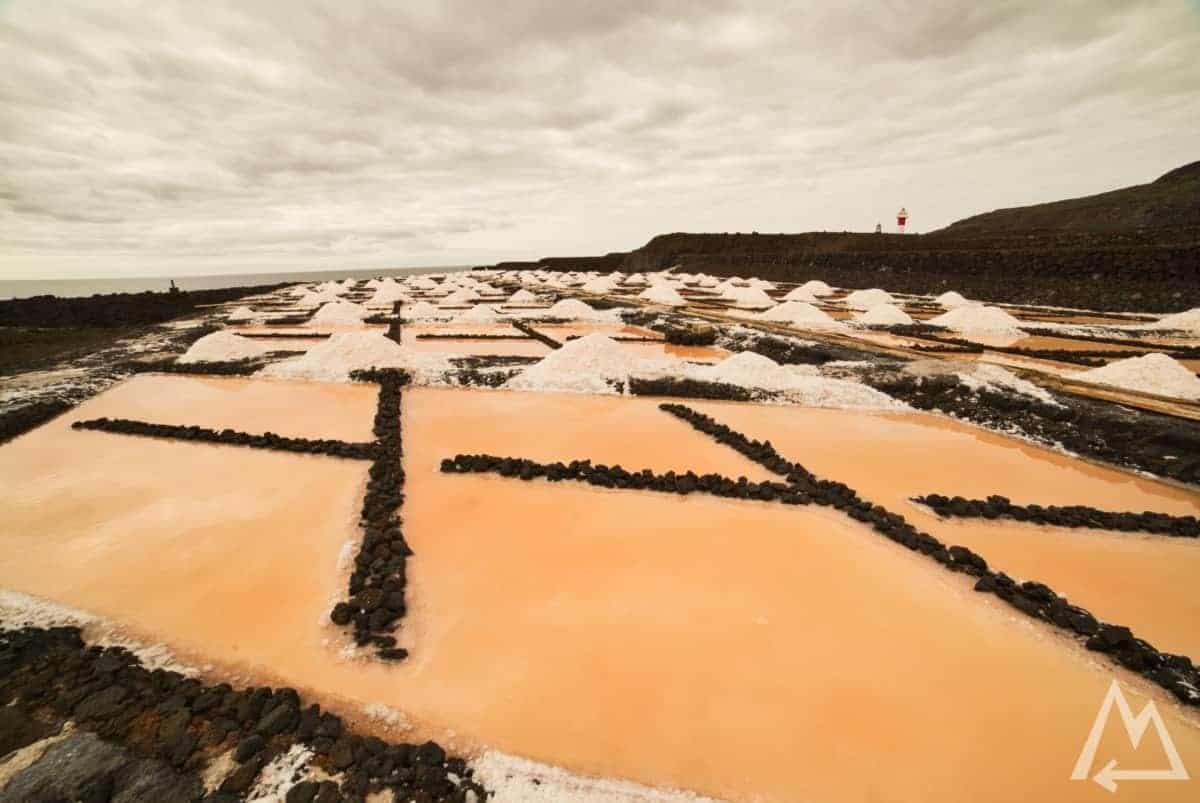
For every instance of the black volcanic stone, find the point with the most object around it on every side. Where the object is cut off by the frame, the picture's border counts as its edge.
(243, 777)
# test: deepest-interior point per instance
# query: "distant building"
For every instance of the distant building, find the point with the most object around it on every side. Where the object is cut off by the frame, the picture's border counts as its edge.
(901, 220)
(879, 228)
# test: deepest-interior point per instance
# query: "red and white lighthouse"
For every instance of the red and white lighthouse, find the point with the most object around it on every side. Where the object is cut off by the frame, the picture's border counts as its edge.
(901, 220)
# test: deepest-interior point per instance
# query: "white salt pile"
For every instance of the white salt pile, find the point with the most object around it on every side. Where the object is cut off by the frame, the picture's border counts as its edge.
(708, 281)
(576, 309)
(422, 310)
(387, 294)
(1152, 373)
(601, 285)
(985, 375)
(480, 313)
(636, 279)
(817, 287)
(662, 294)
(340, 313)
(309, 299)
(883, 315)
(979, 320)
(242, 314)
(750, 370)
(797, 384)
(587, 365)
(799, 313)
(421, 283)
(865, 299)
(748, 297)
(952, 300)
(522, 297)
(459, 297)
(800, 294)
(333, 360)
(223, 347)
(1187, 321)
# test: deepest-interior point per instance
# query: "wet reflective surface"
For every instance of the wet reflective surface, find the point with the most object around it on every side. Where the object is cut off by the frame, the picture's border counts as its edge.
(1143, 581)
(745, 650)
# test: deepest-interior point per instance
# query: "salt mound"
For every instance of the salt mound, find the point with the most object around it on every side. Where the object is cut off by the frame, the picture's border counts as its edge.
(883, 315)
(459, 297)
(865, 299)
(387, 294)
(817, 287)
(421, 283)
(708, 281)
(978, 320)
(223, 347)
(662, 294)
(480, 313)
(750, 370)
(570, 308)
(1188, 321)
(587, 365)
(1152, 373)
(952, 300)
(800, 294)
(797, 384)
(242, 314)
(308, 299)
(748, 297)
(340, 313)
(333, 360)
(985, 374)
(603, 285)
(636, 278)
(420, 310)
(522, 297)
(799, 313)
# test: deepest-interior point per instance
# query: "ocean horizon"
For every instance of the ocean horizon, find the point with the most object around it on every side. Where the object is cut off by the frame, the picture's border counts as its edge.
(74, 288)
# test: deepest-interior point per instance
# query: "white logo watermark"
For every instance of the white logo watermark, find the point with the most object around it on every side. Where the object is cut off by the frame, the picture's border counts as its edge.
(1135, 729)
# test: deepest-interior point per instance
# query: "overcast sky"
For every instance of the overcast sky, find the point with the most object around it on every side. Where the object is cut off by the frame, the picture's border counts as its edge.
(204, 137)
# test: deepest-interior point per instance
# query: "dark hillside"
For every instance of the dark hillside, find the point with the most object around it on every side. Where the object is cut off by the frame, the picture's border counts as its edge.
(1172, 200)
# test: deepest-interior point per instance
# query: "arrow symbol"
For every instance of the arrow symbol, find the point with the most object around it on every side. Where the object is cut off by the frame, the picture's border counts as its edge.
(1109, 775)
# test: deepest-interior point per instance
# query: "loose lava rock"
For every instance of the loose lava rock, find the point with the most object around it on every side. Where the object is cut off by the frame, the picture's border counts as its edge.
(1064, 516)
(146, 735)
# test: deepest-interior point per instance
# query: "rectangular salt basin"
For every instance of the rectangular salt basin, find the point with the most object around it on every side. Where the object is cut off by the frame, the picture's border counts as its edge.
(343, 411)
(615, 633)
(467, 346)
(1147, 582)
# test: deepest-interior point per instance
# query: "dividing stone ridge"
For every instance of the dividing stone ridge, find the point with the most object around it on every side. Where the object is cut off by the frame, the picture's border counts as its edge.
(234, 368)
(229, 437)
(1063, 516)
(376, 594)
(174, 726)
(1176, 673)
(618, 477)
(536, 335)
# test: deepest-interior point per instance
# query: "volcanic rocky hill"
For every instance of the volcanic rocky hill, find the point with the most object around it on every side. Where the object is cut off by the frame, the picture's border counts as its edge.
(1146, 258)
(1172, 200)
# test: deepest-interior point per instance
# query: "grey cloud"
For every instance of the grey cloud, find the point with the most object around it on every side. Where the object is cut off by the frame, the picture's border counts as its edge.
(397, 133)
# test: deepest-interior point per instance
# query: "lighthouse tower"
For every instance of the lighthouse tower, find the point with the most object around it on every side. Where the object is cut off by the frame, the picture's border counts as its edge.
(901, 220)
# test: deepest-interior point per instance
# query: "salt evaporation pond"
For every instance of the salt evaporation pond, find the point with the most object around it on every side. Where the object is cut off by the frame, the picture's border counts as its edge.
(615, 633)
(1144, 581)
